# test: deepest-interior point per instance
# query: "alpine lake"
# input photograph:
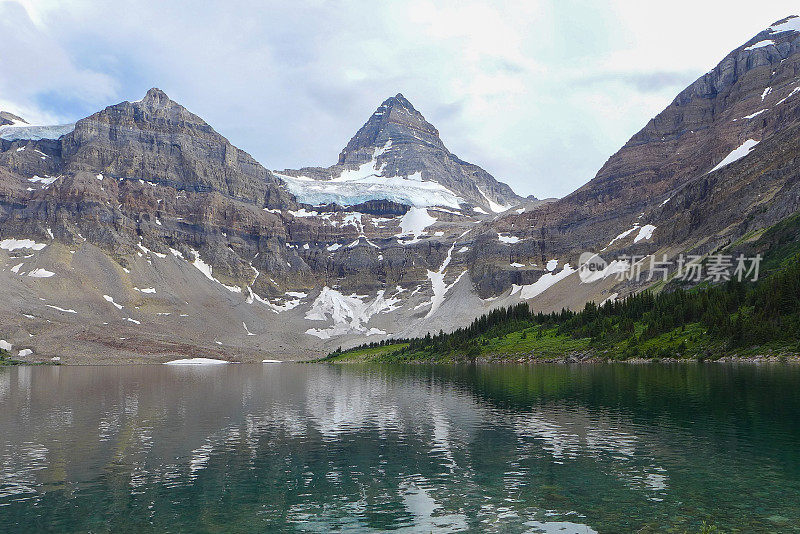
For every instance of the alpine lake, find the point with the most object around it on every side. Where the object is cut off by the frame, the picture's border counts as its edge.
(378, 448)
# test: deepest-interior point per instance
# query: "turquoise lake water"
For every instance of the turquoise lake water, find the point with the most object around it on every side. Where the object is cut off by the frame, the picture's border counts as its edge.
(326, 448)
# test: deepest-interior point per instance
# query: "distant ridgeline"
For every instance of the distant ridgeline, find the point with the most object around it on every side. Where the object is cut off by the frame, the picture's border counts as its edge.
(706, 321)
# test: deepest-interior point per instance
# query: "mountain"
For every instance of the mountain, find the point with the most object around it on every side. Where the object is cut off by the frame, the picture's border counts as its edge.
(139, 233)
(718, 164)
(9, 119)
(398, 156)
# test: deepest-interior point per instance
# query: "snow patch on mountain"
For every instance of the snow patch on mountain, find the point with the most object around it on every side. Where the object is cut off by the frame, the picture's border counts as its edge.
(438, 285)
(110, 299)
(760, 44)
(792, 24)
(349, 314)
(508, 239)
(288, 304)
(41, 273)
(754, 115)
(47, 180)
(207, 271)
(790, 95)
(645, 233)
(414, 223)
(736, 154)
(494, 206)
(14, 244)
(545, 282)
(196, 361)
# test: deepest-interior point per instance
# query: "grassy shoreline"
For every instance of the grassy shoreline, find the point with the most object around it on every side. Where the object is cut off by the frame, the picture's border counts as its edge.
(388, 355)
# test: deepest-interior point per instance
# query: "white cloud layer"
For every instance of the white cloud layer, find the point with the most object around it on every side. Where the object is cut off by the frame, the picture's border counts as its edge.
(540, 93)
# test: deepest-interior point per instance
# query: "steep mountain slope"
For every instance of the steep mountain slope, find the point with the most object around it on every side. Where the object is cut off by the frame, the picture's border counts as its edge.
(717, 163)
(398, 155)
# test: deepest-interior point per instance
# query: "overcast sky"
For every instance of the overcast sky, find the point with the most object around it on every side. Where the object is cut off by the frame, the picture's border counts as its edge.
(539, 93)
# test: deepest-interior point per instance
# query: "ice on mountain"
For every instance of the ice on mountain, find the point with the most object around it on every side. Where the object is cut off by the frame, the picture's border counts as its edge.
(508, 239)
(545, 282)
(494, 206)
(350, 314)
(41, 273)
(790, 95)
(756, 114)
(736, 154)
(645, 233)
(414, 223)
(760, 44)
(14, 244)
(401, 190)
(35, 133)
(792, 24)
(367, 182)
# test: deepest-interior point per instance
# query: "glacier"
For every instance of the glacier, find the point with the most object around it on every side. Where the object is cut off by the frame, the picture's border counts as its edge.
(35, 133)
(402, 190)
(367, 182)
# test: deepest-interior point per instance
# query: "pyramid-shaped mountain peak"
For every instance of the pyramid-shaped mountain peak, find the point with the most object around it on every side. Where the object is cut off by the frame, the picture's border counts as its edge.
(394, 120)
(397, 100)
(155, 97)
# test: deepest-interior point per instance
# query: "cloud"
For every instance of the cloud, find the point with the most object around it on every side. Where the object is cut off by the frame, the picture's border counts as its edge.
(33, 63)
(644, 82)
(539, 92)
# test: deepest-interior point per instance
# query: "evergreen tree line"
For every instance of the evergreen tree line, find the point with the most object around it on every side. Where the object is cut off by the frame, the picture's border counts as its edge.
(741, 314)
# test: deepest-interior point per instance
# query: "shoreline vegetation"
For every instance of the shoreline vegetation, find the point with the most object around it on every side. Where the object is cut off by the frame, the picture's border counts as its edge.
(739, 321)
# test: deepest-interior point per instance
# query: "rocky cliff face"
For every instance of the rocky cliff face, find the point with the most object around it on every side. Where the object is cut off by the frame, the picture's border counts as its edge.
(141, 233)
(159, 141)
